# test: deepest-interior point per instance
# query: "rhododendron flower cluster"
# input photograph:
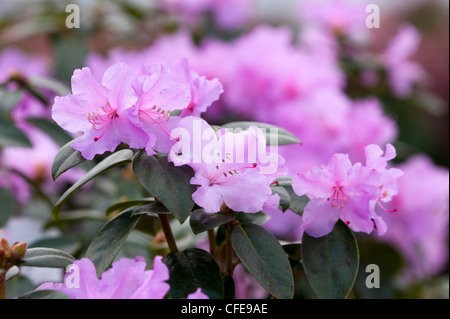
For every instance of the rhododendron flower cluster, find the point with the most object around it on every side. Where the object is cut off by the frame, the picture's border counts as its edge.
(222, 149)
(348, 192)
(231, 169)
(131, 106)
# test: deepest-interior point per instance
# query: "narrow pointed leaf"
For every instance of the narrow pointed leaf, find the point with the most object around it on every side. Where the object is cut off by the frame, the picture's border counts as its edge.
(124, 204)
(46, 257)
(167, 183)
(118, 158)
(262, 255)
(109, 239)
(45, 294)
(194, 268)
(200, 221)
(274, 135)
(66, 158)
(331, 262)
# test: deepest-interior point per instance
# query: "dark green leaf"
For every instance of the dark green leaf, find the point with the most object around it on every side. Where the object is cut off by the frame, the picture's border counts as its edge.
(298, 203)
(46, 257)
(109, 239)
(9, 100)
(262, 255)
(149, 225)
(194, 268)
(66, 158)
(79, 215)
(153, 209)
(285, 198)
(67, 244)
(167, 183)
(201, 221)
(119, 158)
(7, 206)
(10, 135)
(331, 262)
(45, 294)
(254, 218)
(124, 204)
(293, 251)
(51, 129)
(274, 135)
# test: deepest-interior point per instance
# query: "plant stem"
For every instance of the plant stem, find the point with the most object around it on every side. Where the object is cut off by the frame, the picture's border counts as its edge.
(212, 242)
(229, 250)
(168, 233)
(3, 286)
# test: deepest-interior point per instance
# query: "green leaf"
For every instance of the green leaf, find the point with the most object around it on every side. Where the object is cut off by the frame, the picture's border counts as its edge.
(201, 221)
(118, 158)
(51, 84)
(258, 218)
(10, 135)
(45, 294)
(78, 215)
(52, 129)
(293, 250)
(274, 135)
(66, 158)
(109, 239)
(8, 205)
(46, 257)
(67, 244)
(298, 203)
(331, 262)
(262, 255)
(124, 204)
(9, 100)
(153, 209)
(194, 268)
(167, 183)
(285, 198)
(11, 273)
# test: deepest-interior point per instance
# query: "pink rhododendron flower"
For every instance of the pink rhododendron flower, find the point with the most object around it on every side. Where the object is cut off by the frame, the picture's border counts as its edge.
(132, 106)
(230, 168)
(198, 294)
(127, 279)
(344, 191)
(367, 124)
(403, 73)
(419, 229)
(99, 111)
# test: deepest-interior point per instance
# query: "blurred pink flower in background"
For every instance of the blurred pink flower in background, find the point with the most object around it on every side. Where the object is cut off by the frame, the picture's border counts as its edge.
(419, 228)
(127, 279)
(403, 73)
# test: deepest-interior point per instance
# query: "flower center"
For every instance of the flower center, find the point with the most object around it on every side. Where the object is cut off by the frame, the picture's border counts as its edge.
(221, 173)
(157, 116)
(101, 118)
(339, 199)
